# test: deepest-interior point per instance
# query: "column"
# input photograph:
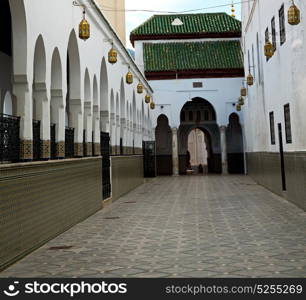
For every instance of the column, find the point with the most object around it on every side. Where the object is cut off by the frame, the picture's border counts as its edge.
(96, 129)
(88, 128)
(24, 110)
(76, 121)
(175, 159)
(58, 118)
(223, 149)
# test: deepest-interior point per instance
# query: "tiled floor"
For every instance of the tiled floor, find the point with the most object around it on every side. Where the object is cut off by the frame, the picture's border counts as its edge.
(189, 226)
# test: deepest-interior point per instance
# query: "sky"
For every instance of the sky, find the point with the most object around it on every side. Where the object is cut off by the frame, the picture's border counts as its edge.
(134, 19)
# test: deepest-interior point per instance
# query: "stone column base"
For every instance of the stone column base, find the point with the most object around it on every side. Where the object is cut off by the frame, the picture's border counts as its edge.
(88, 149)
(78, 150)
(97, 149)
(45, 150)
(60, 150)
(26, 150)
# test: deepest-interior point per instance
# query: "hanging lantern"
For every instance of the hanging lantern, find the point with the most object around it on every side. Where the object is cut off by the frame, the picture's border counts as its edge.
(233, 11)
(243, 92)
(152, 105)
(112, 55)
(84, 28)
(129, 77)
(269, 49)
(139, 88)
(240, 101)
(294, 15)
(238, 107)
(147, 99)
(250, 79)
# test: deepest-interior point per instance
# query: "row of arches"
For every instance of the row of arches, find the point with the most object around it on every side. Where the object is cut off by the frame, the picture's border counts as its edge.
(64, 94)
(200, 143)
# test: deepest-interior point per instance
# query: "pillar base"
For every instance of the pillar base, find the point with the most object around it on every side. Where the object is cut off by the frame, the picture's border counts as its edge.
(60, 150)
(78, 150)
(45, 150)
(97, 149)
(26, 150)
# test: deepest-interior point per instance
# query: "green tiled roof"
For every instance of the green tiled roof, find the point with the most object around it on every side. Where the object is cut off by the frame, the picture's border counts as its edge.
(193, 24)
(212, 55)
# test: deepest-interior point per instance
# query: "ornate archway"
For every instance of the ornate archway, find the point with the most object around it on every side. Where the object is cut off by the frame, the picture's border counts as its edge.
(199, 113)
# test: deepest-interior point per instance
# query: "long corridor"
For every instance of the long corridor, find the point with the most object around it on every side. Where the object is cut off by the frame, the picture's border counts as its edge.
(188, 226)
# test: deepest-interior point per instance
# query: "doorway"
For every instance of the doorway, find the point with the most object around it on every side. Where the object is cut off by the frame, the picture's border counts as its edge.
(282, 158)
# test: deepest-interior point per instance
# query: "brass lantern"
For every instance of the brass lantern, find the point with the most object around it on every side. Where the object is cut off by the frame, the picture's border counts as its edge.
(84, 28)
(139, 88)
(269, 49)
(152, 105)
(112, 56)
(129, 77)
(250, 79)
(238, 107)
(147, 99)
(294, 15)
(240, 101)
(243, 92)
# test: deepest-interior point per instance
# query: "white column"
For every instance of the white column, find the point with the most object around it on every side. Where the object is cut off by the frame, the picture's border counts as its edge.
(175, 159)
(223, 150)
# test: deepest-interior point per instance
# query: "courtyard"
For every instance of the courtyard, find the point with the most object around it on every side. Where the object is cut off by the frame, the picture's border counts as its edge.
(187, 226)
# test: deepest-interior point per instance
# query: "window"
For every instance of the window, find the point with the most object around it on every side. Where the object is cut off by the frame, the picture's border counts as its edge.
(249, 61)
(288, 124)
(197, 84)
(190, 116)
(272, 128)
(282, 29)
(273, 33)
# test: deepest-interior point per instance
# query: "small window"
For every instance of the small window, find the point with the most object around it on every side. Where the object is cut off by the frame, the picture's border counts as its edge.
(198, 84)
(273, 33)
(258, 57)
(282, 28)
(272, 128)
(288, 124)
(190, 116)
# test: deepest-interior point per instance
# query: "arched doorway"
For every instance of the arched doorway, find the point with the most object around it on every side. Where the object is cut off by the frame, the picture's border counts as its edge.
(198, 151)
(234, 145)
(200, 114)
(163, 138)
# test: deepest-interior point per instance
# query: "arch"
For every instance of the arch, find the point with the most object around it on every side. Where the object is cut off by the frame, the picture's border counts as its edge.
(39, 75)
(234, 145)
(104, 100)
(112, 118)
(56, 71)
(19, 35)
(73, 78)
(40, 107)
(163, 138)
(87, 125)
(56, 103)
(8, 104)
(197, 151)
(95, 92)
(87, 89)
(73, 67)
(103, 86)
(122, 100)
(204, 118)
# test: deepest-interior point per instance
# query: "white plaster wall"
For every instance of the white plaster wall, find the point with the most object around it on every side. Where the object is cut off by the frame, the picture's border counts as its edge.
(284, 78)
(171, 95)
